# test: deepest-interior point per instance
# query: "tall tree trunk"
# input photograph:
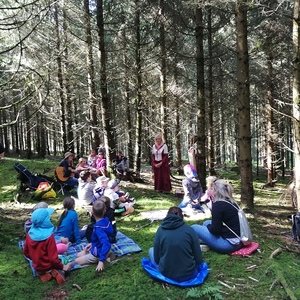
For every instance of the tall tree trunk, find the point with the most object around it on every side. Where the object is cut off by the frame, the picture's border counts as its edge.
(296, 99)
(16, 132)
(91, 76)
(163, 70)
(28, 133)
(178, 159)
(201, 128)
(128, 128)
(270, 121)
(138, 101)
(243, 105)
(105, 104)
(60, 78)
(210, 104)
(69, 101)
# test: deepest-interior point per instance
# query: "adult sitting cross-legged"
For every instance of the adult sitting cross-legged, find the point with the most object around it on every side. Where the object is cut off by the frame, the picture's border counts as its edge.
(176, 252)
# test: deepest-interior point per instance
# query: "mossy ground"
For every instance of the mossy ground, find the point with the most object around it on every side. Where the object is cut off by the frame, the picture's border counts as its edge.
(254, 277)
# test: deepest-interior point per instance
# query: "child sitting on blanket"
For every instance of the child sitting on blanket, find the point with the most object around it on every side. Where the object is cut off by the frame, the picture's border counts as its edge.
(101, 185)
(40, 247)
(111, 216)
(61, 242)
(67, 226)
(100, 247)
(28, 222)
(118, 202)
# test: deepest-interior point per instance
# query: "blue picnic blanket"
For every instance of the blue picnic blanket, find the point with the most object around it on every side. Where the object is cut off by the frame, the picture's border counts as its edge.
(123, 246)
(153, 272)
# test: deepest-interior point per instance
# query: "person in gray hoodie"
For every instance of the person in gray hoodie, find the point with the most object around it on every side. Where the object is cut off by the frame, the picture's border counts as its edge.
(176, 252)
(192, 188)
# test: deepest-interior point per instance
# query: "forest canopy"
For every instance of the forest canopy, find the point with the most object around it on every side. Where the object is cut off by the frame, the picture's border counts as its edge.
(74, 73)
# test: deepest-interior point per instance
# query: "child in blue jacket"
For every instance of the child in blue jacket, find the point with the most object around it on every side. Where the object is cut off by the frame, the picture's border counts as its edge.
(100, 247)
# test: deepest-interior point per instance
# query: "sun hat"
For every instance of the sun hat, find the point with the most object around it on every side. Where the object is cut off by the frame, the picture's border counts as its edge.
(42, 226)
(113, 183)
(67, 154)
(101, 179)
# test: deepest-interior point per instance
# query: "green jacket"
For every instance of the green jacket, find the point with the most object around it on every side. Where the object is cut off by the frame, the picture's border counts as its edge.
(176, 248)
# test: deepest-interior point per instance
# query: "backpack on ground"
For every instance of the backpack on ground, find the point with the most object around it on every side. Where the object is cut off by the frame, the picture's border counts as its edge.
(245, 231)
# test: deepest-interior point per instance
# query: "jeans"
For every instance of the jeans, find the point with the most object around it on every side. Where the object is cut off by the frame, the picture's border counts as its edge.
(72, 182)
(214, 242)
(184, 203)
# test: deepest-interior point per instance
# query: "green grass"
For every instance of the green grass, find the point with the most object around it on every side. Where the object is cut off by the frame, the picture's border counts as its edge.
(255, 277)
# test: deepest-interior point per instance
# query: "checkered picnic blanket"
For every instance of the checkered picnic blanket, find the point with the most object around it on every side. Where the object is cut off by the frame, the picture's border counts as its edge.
(123, 246)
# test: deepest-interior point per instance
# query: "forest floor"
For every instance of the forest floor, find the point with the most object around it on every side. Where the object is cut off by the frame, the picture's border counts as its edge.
(270, 273)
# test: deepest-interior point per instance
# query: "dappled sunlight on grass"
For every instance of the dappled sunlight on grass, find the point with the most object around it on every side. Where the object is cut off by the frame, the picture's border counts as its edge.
(125, 279)
(7, 188)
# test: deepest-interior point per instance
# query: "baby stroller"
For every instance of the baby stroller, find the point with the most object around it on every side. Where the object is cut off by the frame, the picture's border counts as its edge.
(29, 181)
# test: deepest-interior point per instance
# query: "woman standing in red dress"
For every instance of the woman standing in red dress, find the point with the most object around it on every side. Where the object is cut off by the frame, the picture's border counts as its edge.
(160, 166)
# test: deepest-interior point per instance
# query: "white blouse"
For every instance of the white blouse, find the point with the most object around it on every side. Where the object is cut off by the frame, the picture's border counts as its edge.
(158, 152)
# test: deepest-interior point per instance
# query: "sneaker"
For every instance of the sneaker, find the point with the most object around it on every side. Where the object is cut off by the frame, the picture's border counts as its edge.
(204, 247)
(128, 211)
(59, 276)
(130, 200)
(126, 195)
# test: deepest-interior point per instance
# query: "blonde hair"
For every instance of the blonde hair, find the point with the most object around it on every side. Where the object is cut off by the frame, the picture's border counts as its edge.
(159, 135)
(81, 159)
(210, 181)
(222, 190)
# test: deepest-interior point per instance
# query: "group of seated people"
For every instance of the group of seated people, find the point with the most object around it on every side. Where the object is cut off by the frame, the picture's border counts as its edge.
(44, 241)
(95, 164)
(176, 251)
(89, 191)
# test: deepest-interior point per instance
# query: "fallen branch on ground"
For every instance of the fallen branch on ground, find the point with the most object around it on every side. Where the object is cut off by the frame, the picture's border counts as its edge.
(275, 253)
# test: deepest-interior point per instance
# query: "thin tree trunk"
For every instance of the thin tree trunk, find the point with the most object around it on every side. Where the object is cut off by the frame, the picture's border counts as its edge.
(138, 102)
(60, 79)
(28, 133)
(69, 101)
(178, 159)
(243, 105)
(105, 103)
(91, 76)
(128, 128)
(270, 122)
(163, 71)
(296, 99)
(201, 128)
(210, 106)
